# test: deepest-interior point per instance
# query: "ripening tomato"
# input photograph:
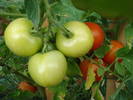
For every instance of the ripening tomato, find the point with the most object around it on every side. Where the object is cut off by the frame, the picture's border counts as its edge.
(77, 45)
(98, 34)
(25, 86)
(48, 69)
(84, 67)
(111, 54)
(19, 38)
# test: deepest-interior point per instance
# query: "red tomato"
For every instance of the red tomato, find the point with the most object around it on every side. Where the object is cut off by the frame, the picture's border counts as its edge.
(84, 67)
(111, 54)
(24, 86)
(98, 34)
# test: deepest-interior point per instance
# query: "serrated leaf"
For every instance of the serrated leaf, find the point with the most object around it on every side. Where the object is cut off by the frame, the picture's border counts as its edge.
(129, 35)
(129, 55)
(122, 51)
(120, 69)
(128, 64)
(33, 11)
(90, 78)
(65, 11)
(100, 52)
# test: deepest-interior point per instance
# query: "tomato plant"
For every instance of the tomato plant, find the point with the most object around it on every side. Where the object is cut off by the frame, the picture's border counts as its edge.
(98, 34)
(44, 45)
(24, 86)
(48, 69)
(111, 54)
(77, 45)
(19, 39)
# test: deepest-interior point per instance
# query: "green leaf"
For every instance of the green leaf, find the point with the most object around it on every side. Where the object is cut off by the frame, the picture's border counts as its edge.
(90, 78)
(122, 52)
(129, 55)
(120, 69)
(100, 52)
(33, 11)
(64, 11)
(129, 35)
(100, 71)
(73, 67)
(127, 59)
(128, 64)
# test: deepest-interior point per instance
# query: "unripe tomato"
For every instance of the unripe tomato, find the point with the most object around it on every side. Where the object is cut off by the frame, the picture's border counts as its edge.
(84, 67)
(79, 44)
(24, 86)
(48, 69)
(111, 54)
(98, 34)
(19, 39)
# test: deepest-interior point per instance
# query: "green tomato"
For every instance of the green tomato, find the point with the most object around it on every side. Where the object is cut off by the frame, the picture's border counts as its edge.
(19, 39)
(107, 8)
(79, 44)
(48, 69)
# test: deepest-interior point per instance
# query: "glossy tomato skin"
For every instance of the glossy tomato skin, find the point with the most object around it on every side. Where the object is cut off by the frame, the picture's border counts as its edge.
(25, 86)
(98, 34)
(19, 40)
(111, 54)
(48, 69)
(84, 67)
(79, 44)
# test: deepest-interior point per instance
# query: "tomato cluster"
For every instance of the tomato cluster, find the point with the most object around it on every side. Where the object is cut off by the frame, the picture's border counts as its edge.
(49, 68)
(109, 57)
